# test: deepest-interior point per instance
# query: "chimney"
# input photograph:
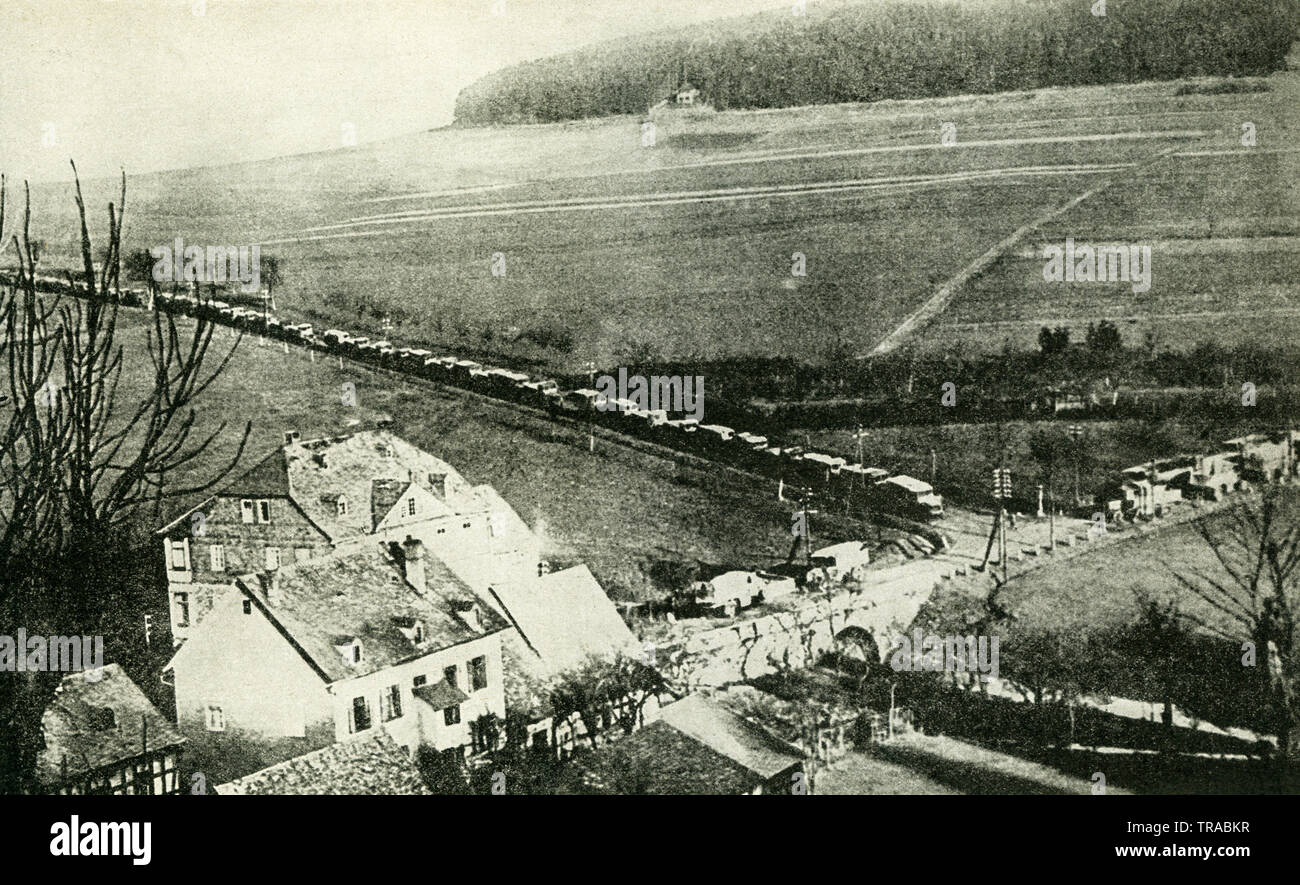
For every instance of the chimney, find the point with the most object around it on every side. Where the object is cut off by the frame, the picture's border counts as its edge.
(438, 485)
(413, 563)
(270, 587)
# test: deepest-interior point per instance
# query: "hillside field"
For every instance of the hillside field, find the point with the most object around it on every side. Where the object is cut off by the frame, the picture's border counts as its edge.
(685, 249)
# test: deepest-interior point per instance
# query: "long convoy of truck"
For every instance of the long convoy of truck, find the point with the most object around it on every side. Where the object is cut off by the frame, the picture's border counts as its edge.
(870, 487)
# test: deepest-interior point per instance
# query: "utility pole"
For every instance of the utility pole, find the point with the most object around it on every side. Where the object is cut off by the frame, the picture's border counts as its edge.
(1001, 493)
(858, 436)
(807, 532)
(1076, 433)
(591, 419)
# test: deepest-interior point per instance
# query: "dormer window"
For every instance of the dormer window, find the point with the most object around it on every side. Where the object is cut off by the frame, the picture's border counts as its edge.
(412, 629)
(350, 651)
(471, 615)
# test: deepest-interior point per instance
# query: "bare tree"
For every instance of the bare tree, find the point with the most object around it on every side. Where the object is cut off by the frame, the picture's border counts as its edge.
(613, 691)
(80, 457)
(1257, 546)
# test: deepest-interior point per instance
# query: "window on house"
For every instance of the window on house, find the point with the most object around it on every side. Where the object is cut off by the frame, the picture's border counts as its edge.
(272, 558)
(410, 507)
(182, 609)
(466, 525)
(390, 703)
(217, 554)
(418, 681)
(263, 511)
(419, 632)
(246, 510)
(451, 715)
(442, 531)
(248, 606)
(478, 673)
(342, 506)
(178, 555)
(449, 673)
(214, 718)
(359, 719)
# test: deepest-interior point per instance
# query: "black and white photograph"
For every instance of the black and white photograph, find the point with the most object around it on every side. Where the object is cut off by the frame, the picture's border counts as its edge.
(491, 400)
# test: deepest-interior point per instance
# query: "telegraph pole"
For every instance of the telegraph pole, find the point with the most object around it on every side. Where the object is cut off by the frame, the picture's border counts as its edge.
(1076, 433)
(858, 437)
(591, 419)
(1001, 494)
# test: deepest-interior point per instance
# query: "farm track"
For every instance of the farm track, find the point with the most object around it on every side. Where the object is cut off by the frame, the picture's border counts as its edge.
(358, 226)
(942, 299)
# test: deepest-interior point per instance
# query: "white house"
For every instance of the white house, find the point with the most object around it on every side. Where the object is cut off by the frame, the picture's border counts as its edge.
(293, 660)
(313, 498)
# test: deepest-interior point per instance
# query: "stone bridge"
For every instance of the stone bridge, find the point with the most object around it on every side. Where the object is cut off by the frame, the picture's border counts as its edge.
(803, 629)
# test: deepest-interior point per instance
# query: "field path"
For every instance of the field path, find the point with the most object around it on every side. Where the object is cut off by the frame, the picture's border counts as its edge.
(370, 225)
(939, 301)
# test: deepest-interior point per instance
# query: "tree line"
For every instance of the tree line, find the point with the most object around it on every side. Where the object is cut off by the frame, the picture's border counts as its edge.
(920, 49)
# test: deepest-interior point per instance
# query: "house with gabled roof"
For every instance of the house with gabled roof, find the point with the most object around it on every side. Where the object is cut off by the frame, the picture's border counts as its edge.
(562, 620)
(312, 498)
(696, 747)
(101, 735)
(376, 638)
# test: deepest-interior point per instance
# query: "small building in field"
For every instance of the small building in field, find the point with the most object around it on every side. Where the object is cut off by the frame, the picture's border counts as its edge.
(103, 736)
(688, 95)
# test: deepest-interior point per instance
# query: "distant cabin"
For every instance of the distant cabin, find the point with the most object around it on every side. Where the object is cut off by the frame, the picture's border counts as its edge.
(688, 95)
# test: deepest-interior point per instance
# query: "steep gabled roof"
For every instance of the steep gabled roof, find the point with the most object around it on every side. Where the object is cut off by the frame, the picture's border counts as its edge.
(322, 470)
(369, 766)
(726, 733)
(268, 478)
(658, 760)
(78, 727)
(566, 617)
(361, 594)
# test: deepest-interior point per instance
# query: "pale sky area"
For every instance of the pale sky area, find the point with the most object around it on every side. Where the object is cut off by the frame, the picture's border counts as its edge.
(164, 84)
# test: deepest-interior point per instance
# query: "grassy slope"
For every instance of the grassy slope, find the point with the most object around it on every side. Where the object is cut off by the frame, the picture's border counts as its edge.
(687, 280)
(617, 510)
